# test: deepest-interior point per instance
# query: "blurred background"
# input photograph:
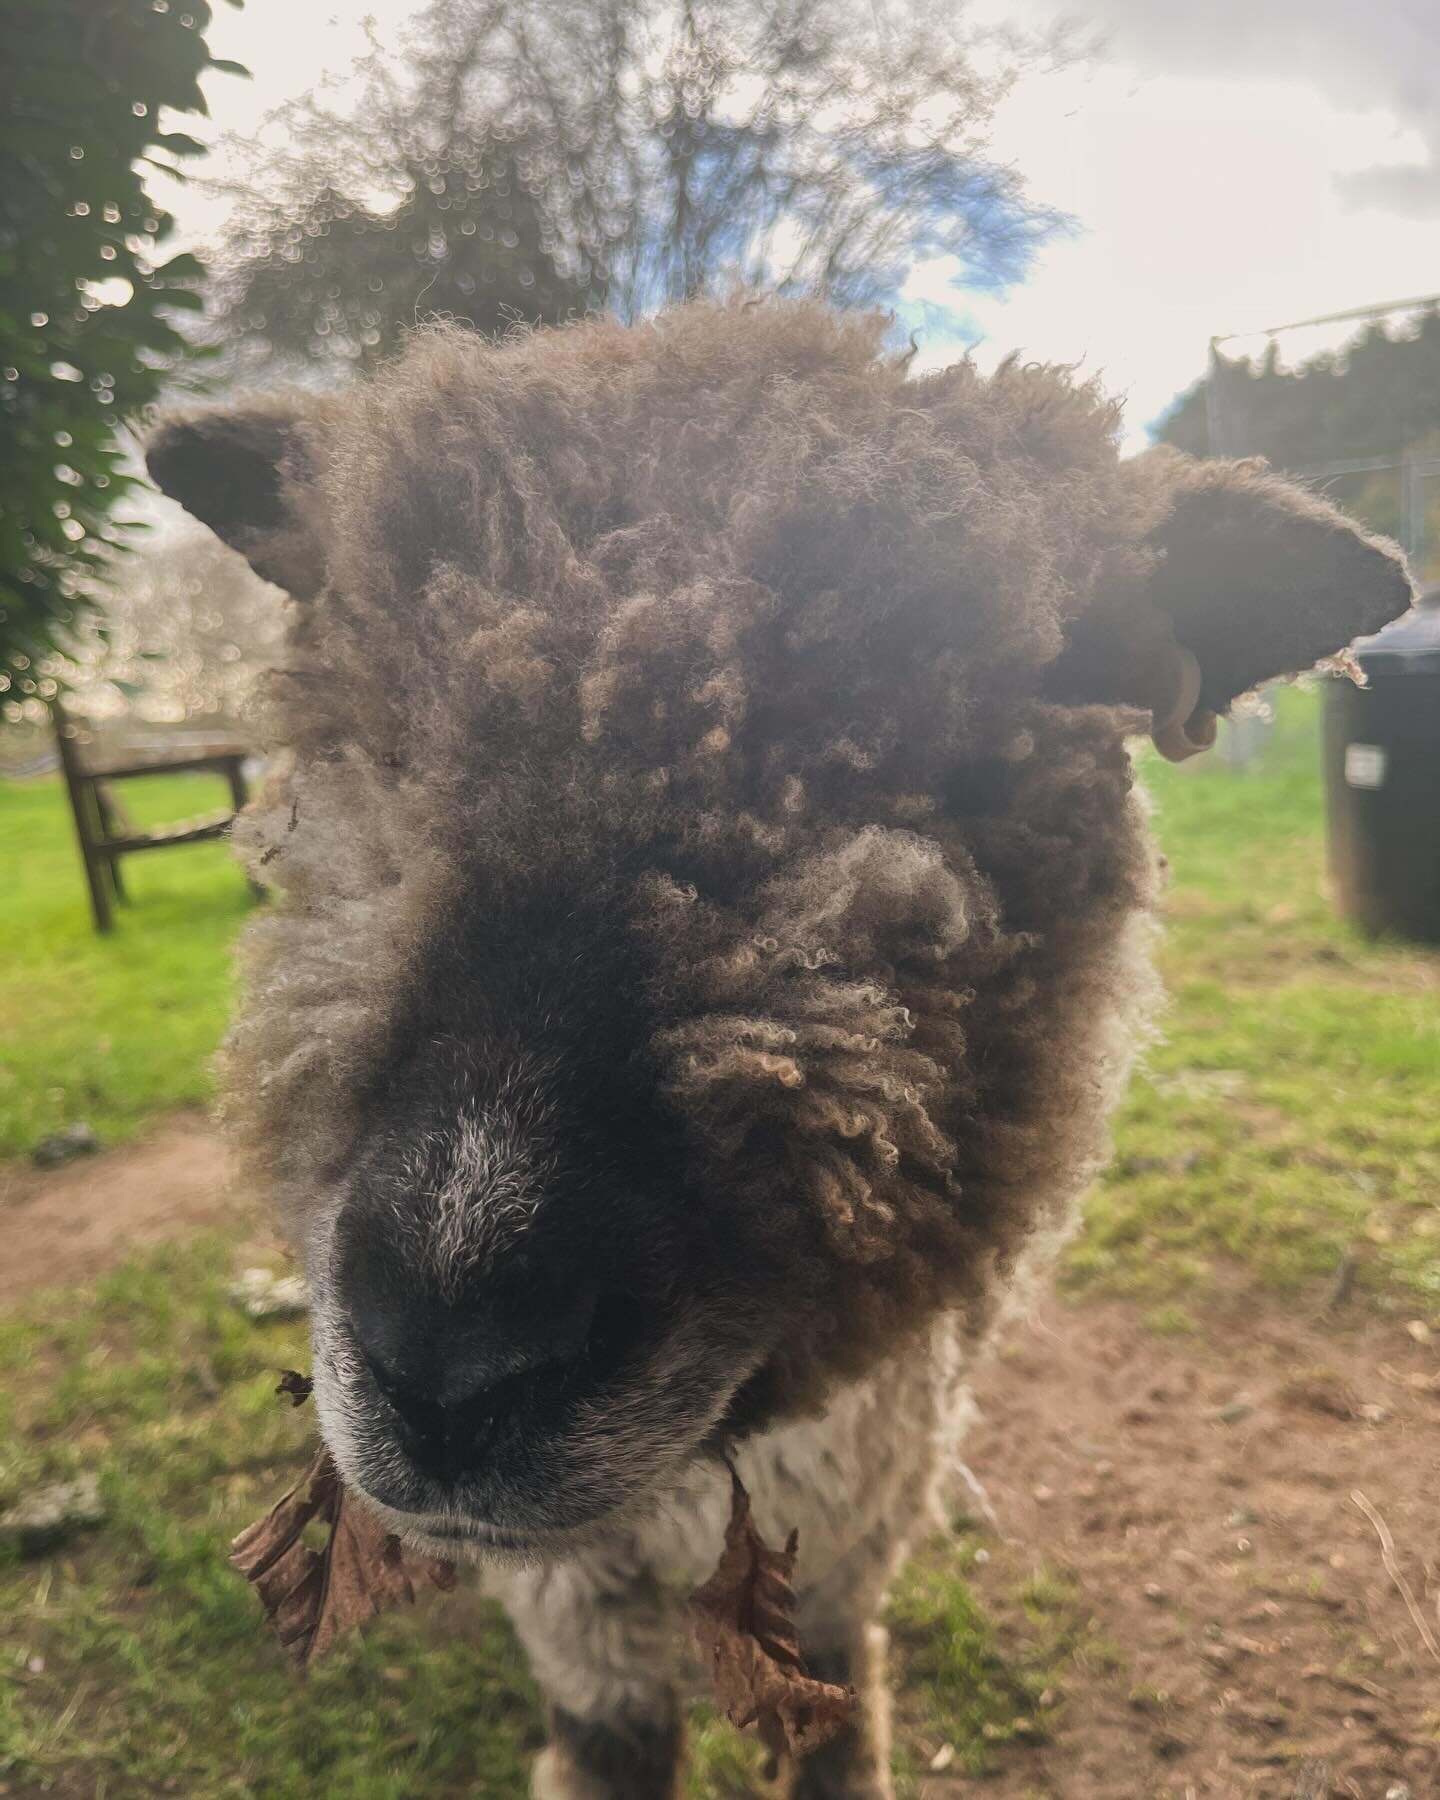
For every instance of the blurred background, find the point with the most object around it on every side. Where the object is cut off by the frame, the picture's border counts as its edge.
(1198, 1553)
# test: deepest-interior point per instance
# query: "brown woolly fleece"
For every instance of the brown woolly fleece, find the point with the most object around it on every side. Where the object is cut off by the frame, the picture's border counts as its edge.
(813, 680)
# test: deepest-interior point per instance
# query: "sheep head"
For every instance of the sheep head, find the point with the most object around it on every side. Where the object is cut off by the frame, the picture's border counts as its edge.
(712, 895)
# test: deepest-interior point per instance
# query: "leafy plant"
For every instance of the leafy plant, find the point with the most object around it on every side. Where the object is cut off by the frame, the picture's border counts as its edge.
(89, 299)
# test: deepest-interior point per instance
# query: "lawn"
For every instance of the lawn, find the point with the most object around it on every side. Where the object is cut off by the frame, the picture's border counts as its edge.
(109, 1030)
(1288, 1115)
(1285, 1121)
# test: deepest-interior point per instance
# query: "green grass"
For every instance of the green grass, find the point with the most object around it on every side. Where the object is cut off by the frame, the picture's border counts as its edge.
(109, 1030)
(134, 1662)
(1288, 1115)
(962, 1685)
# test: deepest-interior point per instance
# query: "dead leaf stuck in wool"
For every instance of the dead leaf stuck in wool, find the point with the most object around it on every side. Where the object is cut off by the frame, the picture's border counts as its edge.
(745, 1625)
(311, 1595)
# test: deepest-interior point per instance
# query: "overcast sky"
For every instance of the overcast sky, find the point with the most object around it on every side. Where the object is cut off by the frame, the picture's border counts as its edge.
(1232, 165)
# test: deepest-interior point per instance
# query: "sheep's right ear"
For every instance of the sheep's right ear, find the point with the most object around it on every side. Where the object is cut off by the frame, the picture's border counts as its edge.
(248, 474)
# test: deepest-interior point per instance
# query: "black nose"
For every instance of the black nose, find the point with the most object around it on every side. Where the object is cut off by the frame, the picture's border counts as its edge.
(453, 1436)
(456, 1369)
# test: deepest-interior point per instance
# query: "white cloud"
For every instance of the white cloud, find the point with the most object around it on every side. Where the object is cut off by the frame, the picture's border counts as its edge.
(1210, 195)
(1381, 54)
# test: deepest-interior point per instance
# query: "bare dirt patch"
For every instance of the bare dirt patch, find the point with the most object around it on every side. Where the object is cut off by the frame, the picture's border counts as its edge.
(1198, 1491)
(71, 1224)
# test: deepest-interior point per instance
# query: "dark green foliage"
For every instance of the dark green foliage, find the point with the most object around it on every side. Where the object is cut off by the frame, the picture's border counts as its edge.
(319, 274)
(1377, 397)
(86, 83)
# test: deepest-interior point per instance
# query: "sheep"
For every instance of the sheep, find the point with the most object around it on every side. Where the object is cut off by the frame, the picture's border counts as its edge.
(713, 925)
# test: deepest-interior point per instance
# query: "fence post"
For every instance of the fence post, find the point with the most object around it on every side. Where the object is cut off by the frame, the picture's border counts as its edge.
(1415, 512)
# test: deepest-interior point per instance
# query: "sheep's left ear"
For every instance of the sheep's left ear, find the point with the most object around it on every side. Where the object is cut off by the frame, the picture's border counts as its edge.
(248, 473)
(1253, 577)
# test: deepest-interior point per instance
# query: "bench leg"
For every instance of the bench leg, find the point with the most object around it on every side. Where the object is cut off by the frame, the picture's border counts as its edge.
(96, 877)
(110, 817)
(90, 827)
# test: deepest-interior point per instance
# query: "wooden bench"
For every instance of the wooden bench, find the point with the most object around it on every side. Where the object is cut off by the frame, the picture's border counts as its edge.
(105, 830)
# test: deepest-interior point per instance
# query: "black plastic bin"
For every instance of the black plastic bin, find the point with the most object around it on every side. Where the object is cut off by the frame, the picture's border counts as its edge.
(1382, 777)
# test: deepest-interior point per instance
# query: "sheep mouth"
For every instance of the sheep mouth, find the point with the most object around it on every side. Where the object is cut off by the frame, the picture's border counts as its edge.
(477, 1533)
(451, 1536)
(562, 1462)
(550, 1504)
(473, 1540)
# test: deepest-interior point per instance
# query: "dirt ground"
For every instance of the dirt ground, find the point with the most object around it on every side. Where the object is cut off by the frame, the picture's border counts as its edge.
(72, 1223)
(1209, 1496)
(1227, 1504)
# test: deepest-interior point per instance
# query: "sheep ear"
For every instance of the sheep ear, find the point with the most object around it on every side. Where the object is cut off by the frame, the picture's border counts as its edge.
(247, 474)
(1253, 577)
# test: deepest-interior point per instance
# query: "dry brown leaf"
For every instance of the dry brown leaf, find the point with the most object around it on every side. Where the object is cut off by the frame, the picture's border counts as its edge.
(745, 1624)
(311, 1595)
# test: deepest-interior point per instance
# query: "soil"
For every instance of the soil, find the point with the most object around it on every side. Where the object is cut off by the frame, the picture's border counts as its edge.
(1203, 1493)
(72, 1223)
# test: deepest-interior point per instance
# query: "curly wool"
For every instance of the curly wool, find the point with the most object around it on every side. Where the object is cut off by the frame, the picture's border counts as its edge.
(789, 655)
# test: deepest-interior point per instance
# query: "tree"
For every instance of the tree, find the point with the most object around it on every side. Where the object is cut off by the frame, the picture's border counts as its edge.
(321, 276)
(539, 157)
(1378, 398)
(88, 301)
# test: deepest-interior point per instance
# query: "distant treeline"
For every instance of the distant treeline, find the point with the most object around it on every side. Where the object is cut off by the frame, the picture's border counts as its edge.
(1378, 397)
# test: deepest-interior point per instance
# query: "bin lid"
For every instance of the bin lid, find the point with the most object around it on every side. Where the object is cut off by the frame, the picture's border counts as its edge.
(1407, 646)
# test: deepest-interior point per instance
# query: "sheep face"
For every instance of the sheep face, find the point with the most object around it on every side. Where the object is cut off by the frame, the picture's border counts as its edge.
(712, 895)
(526, 1318)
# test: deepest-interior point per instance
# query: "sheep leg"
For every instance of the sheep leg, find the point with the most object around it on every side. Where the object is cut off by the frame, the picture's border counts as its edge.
(628, 1757)
(601, 1635)
(856, 1764)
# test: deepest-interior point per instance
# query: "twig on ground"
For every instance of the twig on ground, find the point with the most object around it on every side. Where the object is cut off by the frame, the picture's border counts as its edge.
(1362, 1686)
(979, 1496)
(63, 1723)
(1395, 1572)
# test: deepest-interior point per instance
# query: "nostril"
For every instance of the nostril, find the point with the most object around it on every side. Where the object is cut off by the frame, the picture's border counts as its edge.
(383, 1373)
(448, 1423)
(419, 1409)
